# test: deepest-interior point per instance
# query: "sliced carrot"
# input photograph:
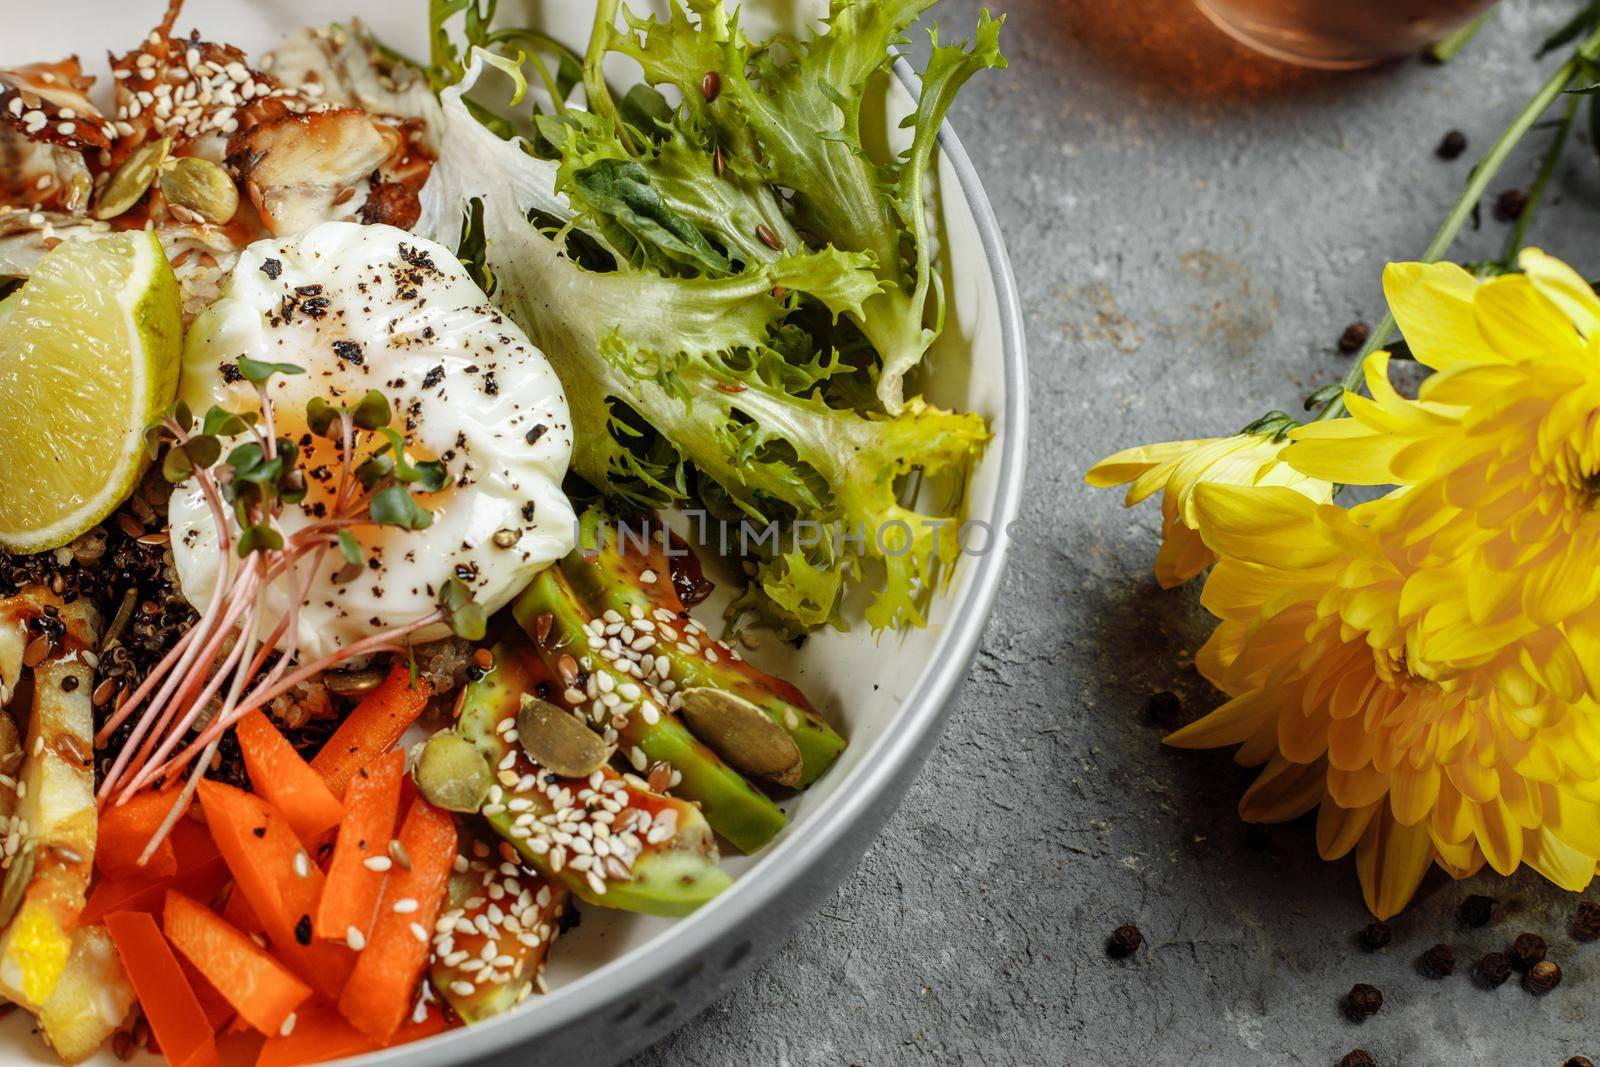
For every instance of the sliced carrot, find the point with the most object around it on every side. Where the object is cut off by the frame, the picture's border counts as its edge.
(383, 988)
(373, 728)
(219, 1013)
(176, 1017)
(278, 773)
(240, 915)
(260, 988)
(372, 807)
(124, 893)
(320, 1033)
(125, 830)
(261, 849)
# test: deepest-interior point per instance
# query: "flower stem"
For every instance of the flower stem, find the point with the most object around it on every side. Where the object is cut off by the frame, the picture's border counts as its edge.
(1482, 175)
(1547, 170)
(1446, 50)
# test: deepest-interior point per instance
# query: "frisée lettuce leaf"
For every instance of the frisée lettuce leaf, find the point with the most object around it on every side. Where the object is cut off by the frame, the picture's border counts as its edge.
(790, 111)
(689, 386)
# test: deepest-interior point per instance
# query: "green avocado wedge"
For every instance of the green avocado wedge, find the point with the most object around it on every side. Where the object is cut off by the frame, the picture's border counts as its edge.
(671, 876)
(607, 572)
(558, 624)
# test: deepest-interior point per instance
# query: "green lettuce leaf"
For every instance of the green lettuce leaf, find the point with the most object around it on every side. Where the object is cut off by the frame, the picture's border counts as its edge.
(678, 384)
(792, 110)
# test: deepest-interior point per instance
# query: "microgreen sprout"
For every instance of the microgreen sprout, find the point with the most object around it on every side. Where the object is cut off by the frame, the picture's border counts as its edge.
(225, 666)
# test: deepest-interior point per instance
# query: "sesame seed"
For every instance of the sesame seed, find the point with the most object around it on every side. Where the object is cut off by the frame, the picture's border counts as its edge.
(302, 863)
(377, 863)
(288, 1025)
(355, 939)
(405, 906)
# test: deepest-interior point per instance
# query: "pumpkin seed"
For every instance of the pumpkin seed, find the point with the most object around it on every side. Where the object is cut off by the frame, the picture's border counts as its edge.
(354, 683)
(200, 186)
(452, 774)
(18, 875)
(131, 180)
(742, 734)
(557, 741)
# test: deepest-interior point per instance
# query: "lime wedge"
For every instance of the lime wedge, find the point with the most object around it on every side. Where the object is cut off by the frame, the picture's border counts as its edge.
(89, 354)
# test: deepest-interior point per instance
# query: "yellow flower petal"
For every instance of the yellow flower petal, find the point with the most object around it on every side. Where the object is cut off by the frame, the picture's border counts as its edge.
(1228, 725)
(1130, 463)
(1521, 324)
(1338, 829)
(1283, 791)
(1391, 860)
(1433, 303)
(1563, 287)
(1498, 835)
(1269, 525)
(1558, 861)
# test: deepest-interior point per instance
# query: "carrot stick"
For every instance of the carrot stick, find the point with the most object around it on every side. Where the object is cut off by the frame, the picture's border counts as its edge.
(319, 1034)
(238, 914)
(278, 880)
(383, 987)
(260, 988)
(219, 1013)
(373, 728)
(278, 773)
(372, 806)
(124, 831)
(176, 1017)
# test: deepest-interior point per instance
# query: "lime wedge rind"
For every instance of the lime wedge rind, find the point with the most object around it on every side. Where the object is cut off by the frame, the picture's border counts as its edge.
(89, 354)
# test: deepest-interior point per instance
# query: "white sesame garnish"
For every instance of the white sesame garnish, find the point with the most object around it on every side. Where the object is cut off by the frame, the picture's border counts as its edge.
(377, 863)
(355, 939)
(405, 906)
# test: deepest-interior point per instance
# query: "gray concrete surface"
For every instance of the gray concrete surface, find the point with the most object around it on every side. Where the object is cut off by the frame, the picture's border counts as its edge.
(1192, 228)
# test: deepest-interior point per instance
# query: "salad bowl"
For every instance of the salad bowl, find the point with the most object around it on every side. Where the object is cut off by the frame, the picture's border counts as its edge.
(620, 981)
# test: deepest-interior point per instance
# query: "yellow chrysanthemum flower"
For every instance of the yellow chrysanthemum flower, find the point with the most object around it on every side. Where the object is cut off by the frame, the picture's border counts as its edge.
(1177, 467)
(1501, 454)
(1407, 771)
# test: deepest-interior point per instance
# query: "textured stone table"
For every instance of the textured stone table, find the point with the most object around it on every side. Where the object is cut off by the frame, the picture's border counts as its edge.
(1192, 228)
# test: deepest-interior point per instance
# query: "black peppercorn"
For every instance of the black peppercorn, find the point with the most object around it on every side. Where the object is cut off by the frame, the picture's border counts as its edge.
(1454, 143)
(1362, 1001)
(1355, 335)
(1358, 1057)
(69, 683)
(1493, 969)
(1164, 709)
(1476, 910)
(1527, 950)
(1542, 977)
(1376, 936)
(1439, 961)
(1124, 941)
(1509, 205)
(1586, 921)
(302, 930)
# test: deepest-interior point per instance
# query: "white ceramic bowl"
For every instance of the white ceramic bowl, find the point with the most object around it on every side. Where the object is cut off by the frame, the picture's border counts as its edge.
(619, 981)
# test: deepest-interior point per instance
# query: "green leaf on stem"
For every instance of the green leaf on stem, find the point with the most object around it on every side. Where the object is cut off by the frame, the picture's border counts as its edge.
(350, 548)
(320, 416)
(257, 371)
(394, 506)
(261, 537)
(373, 412)
(375, 469)
(466, 616)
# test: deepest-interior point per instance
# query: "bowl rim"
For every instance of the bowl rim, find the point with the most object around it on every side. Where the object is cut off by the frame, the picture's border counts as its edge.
(920, 718)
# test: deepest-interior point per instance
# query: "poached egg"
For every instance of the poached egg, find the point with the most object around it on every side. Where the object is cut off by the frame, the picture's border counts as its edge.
(374, 307)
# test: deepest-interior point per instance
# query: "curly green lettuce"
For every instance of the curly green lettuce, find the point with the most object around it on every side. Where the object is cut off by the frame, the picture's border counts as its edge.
(787, 113)
(687, 380)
